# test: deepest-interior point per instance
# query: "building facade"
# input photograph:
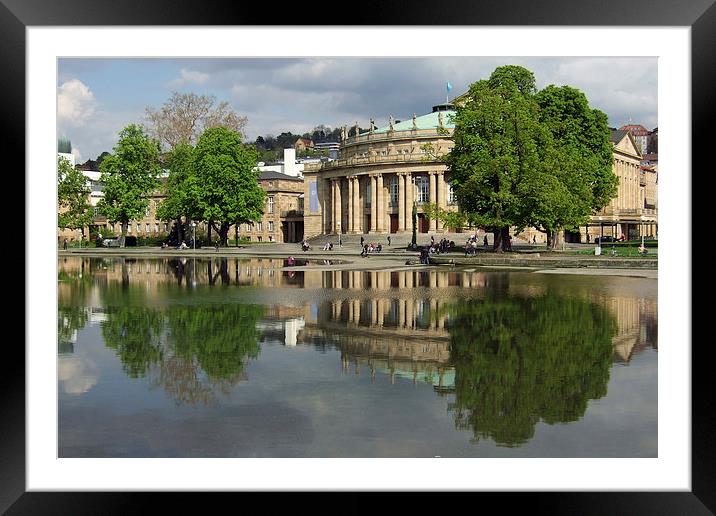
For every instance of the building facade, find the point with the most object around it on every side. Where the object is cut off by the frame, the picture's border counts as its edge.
(379, 176)
(382, 173)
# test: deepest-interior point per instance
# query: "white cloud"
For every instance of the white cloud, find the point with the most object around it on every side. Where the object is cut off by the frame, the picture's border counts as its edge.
(188, 77)
(75, 104)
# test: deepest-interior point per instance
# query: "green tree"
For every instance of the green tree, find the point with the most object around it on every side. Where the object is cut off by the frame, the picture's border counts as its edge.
(225, 182)
(500, 148)
(74, 209)
(522, 360)
(129, 176)
(179, 203)
(581, 179)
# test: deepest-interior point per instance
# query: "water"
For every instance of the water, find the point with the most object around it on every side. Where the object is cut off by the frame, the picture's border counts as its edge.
(240, 358)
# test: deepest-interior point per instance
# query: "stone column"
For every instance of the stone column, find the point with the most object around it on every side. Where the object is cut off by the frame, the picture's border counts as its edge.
(356, 205)
(373, 203)
(380, 226)
(433, 197)
(401, 203)
(440, 190)
(339, 208)
(409, 198)
(333, 206)
(350, 227)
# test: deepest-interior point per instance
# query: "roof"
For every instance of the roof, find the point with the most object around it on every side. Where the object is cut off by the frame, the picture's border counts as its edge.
(617, 135)
(429, 121)
(635, 129)
(653, 156)
(270, 174)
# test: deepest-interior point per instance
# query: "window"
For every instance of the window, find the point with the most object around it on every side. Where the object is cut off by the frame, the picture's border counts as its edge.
(451, 194)
(300, 204)
(422, 186)
(139, 227)
(259, 228)
(249, 228)
(260, 238)
(393, 188)
(270, 205)
(146, 227)
(156, 227)
(166, 227)
(95, 211)
(270, 226)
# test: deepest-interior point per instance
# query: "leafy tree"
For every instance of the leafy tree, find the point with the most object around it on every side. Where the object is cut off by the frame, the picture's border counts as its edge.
(129, 175)
(75, 211)
(527, 158)
(185, 116)
(522, 360)
(500, 145)
(286, 140)
(582, 179)
(179, 205)
(225, 182)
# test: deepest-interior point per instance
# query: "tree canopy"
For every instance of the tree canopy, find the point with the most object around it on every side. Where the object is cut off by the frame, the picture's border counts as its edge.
(224, 184)
(524, 157)
(75, 211)
(185, 116)
(129, 175)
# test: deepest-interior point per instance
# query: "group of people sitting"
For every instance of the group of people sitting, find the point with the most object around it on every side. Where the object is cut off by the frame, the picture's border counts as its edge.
(444, 246)
(371, 248)
(305, 246)
(328, 246)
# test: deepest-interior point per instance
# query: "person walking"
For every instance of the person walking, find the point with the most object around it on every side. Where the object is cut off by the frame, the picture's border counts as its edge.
(361, 240)
(64, 244)
(484, 241)
(340, 241)
(388, 240)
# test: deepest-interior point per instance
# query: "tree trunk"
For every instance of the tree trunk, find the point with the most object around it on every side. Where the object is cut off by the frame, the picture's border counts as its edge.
(505, 243)
(208, 233)
(180, 231)
(224, 234)
(497, 240)
(123, 237)
(552, 239)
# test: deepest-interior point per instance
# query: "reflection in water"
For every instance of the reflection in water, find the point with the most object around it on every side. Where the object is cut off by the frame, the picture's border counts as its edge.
(505, 351)
(523, 360)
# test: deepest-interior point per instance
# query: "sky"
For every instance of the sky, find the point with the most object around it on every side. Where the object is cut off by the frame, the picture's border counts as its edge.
(97, 97)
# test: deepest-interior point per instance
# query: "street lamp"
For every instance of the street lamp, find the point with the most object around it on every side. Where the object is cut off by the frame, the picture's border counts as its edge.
(193, 227)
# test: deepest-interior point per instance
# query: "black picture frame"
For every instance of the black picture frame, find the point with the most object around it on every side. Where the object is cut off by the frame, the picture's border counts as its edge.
(700, 15)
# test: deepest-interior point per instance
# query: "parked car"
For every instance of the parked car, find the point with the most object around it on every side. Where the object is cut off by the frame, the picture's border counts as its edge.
(110, 242)
(601, 240)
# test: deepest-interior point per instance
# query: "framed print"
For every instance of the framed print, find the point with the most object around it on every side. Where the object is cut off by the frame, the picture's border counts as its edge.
(261, 354)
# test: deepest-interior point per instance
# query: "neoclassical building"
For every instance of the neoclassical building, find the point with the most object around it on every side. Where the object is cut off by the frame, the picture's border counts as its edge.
(378, 177)
(381, 173)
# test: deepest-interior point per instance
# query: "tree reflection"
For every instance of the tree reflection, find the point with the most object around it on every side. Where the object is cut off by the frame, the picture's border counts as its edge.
(135, 334)
(522, 360)
(221, 337)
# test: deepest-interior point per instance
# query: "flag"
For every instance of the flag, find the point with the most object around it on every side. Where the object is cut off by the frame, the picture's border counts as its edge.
(449, 86)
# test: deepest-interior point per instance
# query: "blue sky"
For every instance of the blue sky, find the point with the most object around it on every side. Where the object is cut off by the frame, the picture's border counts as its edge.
(98, 97)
